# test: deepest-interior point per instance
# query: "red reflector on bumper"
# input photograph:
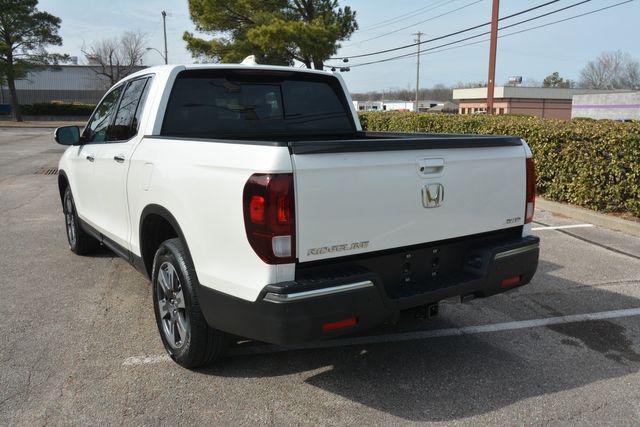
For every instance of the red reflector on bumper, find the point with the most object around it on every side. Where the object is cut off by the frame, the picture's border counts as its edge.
(510, 281)
(345, 323)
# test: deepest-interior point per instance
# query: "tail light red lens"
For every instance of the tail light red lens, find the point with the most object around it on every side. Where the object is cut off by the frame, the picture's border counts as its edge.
(256, 209)
(531, 192)
(269, 217)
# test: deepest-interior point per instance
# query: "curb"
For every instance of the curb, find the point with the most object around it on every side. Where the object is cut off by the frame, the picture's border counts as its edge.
(582, 214)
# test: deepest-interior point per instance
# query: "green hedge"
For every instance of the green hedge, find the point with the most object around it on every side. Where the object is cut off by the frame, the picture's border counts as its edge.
(45, 109)
(594, 164)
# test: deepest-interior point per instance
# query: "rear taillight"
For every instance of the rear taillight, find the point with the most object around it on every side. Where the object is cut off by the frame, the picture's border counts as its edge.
(530, 203)
(269, 217)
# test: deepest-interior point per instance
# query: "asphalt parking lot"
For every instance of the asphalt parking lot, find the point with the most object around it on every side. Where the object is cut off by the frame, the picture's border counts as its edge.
(79, 343)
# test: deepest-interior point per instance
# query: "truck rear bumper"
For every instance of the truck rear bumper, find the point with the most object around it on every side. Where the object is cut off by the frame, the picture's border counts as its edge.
(353, 297)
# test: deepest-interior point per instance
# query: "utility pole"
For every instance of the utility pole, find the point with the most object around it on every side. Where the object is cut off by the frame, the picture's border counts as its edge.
(492, 55)
(164, 27)
(419, 34)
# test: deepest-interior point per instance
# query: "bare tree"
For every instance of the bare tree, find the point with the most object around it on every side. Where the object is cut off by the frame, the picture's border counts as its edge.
(118, 57)
(439, 92)
(611, 70)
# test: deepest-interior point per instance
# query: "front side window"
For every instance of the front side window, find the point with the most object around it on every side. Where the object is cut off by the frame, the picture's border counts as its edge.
(224, 103)
(126, 121)
(96, 129)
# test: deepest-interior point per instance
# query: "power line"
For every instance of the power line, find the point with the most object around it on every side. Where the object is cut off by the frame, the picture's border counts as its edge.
(415, 12)
(436, 49)
(417, 23)
(480, 34)
(446, 35)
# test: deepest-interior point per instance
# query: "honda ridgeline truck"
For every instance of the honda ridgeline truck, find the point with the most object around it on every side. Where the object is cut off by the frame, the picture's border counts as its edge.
(257, 206)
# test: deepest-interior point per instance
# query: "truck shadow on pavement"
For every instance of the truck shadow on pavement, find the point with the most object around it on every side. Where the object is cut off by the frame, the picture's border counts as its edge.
(449, 378)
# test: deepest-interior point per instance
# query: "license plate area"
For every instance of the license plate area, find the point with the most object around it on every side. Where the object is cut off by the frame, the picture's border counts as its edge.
(418, 269)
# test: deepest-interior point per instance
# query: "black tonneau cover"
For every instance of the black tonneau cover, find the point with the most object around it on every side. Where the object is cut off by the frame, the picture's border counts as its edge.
(394, 141)
(363, 141)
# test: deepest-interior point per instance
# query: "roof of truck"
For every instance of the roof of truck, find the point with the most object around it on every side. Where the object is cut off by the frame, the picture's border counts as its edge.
(170, 67)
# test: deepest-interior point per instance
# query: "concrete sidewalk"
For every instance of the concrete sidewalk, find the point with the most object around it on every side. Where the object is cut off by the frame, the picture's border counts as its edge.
(602, 220)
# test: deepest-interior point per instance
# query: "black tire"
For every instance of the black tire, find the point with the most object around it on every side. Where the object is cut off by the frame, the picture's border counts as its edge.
(182, 326)
(80, 242)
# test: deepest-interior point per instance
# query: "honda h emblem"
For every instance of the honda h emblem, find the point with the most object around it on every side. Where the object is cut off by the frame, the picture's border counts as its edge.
(432, 195)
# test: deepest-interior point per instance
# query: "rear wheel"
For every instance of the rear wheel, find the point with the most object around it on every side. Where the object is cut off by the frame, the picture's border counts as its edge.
(184, 331)
(80, 242)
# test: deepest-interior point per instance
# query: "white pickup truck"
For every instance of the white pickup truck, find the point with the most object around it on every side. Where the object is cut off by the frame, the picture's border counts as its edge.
(257, 206)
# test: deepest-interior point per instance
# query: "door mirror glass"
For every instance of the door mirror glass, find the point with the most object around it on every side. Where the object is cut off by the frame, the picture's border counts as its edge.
(67, 135)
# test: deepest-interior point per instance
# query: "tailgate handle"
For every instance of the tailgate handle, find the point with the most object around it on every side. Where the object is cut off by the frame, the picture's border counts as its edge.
(431, 166)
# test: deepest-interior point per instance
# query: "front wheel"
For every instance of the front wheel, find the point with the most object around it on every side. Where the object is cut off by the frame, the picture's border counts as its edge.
(184, 331)
(80, 242)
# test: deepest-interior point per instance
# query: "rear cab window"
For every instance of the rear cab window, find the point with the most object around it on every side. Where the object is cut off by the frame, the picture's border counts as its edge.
(257, 104)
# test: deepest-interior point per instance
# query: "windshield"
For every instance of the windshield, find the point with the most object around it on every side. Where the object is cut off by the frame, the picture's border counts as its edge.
(256, 104)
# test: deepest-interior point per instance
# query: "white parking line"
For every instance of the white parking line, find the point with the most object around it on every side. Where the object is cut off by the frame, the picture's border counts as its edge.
(410, 336)
(560, 227)
(145, 360)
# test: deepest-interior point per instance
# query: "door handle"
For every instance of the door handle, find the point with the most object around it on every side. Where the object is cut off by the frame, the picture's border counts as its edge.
(119, 158)
(90, 157)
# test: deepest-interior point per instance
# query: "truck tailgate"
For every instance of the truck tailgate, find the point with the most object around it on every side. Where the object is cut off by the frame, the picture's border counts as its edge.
(385, 194)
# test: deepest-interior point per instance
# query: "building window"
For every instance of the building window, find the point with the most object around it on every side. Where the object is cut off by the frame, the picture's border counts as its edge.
(501, 111)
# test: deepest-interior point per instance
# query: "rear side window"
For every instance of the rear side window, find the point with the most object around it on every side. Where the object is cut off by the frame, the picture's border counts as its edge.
(126, 122)
(256, 104)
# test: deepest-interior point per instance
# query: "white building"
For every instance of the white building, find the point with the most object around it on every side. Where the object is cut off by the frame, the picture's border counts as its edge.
(395, 105)
(612, 106)
(368, 105)
(63, 83)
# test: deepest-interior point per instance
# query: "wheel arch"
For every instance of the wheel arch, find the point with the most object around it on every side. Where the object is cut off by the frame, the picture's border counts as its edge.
(63, 183)
(157, 224)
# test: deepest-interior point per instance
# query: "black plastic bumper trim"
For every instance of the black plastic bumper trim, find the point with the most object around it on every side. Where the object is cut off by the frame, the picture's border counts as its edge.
(300, 320)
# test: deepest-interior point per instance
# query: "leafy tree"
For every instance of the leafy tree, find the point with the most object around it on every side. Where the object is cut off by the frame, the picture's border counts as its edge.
(24, 33)
(554, 80)
(275, 31)
(611, 70)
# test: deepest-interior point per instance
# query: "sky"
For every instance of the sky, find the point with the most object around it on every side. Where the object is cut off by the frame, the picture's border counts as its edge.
(565, 47)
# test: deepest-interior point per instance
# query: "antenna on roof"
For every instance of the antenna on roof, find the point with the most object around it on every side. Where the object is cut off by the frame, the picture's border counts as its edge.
(249, 60)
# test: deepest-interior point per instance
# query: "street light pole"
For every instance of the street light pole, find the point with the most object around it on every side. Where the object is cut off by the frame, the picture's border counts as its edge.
(164, 27)
(159, 53)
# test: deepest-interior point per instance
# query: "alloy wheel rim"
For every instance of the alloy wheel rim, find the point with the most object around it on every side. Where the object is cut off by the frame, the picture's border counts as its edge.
(70, 221)
(171, 307)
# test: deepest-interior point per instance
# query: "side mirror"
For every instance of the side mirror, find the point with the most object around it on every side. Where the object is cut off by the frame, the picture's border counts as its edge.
(67, 135)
